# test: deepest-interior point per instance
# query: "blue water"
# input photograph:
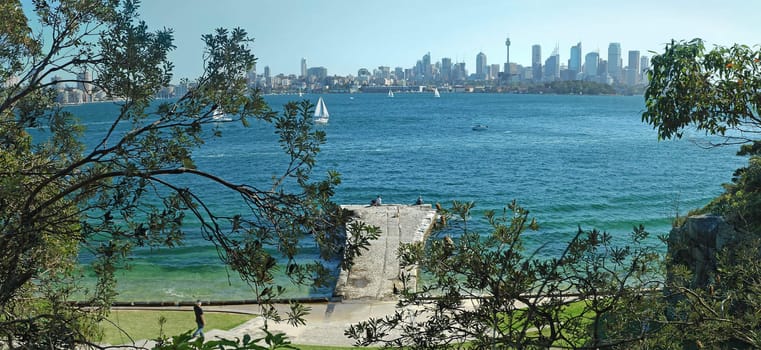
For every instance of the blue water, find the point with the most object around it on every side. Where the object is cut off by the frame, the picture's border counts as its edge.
(573, 161)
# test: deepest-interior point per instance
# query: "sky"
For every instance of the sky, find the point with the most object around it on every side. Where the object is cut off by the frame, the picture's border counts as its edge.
(346, 35)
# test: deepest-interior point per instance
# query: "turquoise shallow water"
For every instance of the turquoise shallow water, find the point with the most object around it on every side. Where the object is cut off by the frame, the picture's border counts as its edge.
(573, 161)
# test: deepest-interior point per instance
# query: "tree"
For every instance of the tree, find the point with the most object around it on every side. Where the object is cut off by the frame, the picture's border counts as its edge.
(486, 292)
(59, 197)
(716, 91)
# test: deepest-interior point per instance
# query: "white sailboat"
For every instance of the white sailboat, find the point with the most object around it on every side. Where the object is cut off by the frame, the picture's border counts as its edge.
(390, 93)
(218, 114)
(321, 114)
(436, 92)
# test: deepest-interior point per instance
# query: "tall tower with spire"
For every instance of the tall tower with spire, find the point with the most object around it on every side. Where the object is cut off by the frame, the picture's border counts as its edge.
(508, 71)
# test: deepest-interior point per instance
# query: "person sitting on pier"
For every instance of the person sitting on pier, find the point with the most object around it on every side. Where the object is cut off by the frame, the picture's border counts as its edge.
(419, 200)
(376, 202)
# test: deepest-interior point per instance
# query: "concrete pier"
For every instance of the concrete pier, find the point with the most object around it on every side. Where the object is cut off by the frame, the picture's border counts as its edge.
(376, 273)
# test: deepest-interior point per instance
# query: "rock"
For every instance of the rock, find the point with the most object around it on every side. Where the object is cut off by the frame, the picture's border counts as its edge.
(696, 242)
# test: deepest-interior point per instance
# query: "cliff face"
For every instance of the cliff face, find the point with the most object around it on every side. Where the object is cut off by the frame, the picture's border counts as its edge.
(695, 244)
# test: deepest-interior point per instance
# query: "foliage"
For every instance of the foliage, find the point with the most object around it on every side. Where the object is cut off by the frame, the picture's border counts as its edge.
(60, 198)
(740, 203)
(487, 292)
(185, 341)
(565, 87)
(717, 91)
(724, 313)
(575, 87)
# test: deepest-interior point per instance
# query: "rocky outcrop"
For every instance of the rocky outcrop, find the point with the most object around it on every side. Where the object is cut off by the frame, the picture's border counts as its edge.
(696, 242)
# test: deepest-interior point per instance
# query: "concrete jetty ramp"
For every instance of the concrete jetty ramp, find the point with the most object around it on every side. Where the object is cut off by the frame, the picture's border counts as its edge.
(376, 272)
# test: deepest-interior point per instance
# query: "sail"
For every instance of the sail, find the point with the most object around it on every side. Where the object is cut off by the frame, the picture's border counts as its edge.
(390, 93)
(436, 93)
(218, 114)
(321, 114)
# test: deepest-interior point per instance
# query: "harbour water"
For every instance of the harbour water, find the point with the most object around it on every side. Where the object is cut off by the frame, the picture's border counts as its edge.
(573, 161)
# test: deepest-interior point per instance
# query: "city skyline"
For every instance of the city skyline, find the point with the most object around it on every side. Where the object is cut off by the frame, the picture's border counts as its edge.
(345, 36)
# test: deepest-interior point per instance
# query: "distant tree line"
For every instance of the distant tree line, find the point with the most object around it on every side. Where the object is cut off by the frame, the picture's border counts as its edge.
(571, 87)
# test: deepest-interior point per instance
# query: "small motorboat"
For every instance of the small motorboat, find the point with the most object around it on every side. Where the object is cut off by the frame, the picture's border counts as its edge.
(480, 127)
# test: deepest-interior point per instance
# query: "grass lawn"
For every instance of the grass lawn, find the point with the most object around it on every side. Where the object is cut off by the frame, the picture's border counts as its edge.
(144, 324)
(141, 324)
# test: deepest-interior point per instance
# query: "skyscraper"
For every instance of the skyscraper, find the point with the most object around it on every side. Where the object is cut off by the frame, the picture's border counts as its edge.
(644, 66)
(574, 63)
(399, 73)
(633, 69)
(446, 69)
(481, 65)
(427, 68)
(494, 71)
(536, 62)
(303, 68)
(459, 72)
(591, 60)
(84, 82)
(615, 62)
(552, 66)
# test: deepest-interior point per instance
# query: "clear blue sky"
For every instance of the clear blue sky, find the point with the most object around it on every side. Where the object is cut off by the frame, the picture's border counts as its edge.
(345, 35)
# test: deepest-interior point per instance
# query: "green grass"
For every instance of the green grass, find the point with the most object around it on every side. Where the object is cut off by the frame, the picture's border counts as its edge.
(140, 324)
(143, 324)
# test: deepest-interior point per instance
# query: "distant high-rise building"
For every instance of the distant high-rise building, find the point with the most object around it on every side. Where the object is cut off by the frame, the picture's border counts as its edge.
(399, 73)
(58, 83)
(552, 66)
(633, 71)
(84, 84)
(446, 69)
(384, 72)
(536, 62)
(481, 65)
(317, 73)
(494, 71)
(419, 71)
(427, 68)
(303, 68)
(251, 77)
(615, 62)
(591, 63)
(85, 81)
(507, 70)
(267, 77)
(574, 63)
(602, 72)
(644, 66)
(459, 73)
